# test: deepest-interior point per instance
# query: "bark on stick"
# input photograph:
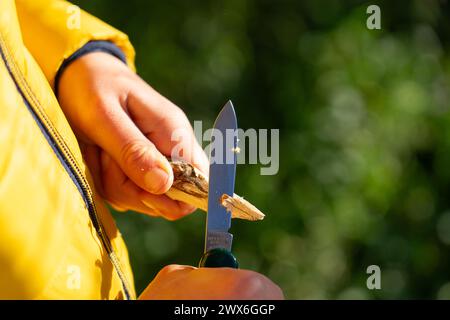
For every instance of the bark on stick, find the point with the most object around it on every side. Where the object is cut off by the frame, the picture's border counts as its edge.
(191, 186)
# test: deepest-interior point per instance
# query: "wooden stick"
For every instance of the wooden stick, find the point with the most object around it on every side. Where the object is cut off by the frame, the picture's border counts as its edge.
(191, 186)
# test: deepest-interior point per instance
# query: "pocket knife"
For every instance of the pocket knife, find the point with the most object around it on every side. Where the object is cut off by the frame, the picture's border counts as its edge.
(222, 172)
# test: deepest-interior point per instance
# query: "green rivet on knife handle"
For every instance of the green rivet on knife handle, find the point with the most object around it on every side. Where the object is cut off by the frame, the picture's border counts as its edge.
(218, 258)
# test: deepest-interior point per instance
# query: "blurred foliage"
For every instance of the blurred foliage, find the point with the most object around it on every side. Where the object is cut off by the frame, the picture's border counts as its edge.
(364, 122)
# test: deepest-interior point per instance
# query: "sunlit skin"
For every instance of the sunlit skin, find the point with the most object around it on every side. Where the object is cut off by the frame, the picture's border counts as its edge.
(126, 133)
(124, 139)
(175, 282)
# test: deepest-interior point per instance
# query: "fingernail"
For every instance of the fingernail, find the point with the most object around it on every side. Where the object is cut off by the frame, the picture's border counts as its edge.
(152, 207)
(148, 204)
(164, 165)
(158, 179)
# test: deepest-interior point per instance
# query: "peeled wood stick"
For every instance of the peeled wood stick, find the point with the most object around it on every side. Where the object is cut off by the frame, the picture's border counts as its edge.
(191, 186)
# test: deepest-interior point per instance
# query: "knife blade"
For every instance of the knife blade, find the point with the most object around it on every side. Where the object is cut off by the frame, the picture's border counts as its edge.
(222, 172)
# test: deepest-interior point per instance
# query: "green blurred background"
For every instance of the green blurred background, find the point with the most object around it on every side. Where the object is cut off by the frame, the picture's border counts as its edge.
(364, 125)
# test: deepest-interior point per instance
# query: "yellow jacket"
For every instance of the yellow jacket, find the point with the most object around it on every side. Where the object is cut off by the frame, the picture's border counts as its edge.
(57, 239)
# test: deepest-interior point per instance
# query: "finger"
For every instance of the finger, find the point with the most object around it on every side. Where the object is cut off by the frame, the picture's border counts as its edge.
(168, 208)
(176, 267)
(172, 133)
(91, 156)
(136, 155)
(120, 191)
(201, 161)
(124, 193)
(113, 178)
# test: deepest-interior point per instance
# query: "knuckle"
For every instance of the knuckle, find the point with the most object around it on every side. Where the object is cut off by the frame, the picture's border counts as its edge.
(126, 77)
(100, 105)
(134, 152)
(175, 117)
(167, 269)
(251, 285)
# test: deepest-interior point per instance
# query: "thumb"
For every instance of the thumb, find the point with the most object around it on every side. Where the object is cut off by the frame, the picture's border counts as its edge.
(136, 155)
(146, 166)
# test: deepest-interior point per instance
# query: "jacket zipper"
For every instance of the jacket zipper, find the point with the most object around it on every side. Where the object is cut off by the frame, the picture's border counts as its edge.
(66, 158)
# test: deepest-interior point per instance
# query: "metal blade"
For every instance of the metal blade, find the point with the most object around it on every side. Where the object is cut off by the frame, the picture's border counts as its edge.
(222, 171)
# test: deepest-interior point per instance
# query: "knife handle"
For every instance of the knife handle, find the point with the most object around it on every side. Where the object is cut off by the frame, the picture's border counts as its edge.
(218, 258)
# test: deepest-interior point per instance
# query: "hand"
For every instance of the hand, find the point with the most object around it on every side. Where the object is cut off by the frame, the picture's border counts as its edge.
(124, 128)
(175, 282)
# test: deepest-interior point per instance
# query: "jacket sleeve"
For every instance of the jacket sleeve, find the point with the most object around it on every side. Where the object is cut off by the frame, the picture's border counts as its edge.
(53, 30)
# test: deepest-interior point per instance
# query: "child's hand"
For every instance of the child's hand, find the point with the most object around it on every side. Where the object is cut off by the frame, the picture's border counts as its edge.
(124, 128)
(177, 282)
